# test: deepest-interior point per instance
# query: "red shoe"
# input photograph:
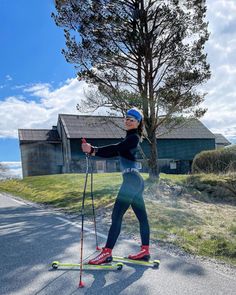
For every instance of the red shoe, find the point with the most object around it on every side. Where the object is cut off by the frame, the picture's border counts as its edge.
(144, 254)
(104, 257)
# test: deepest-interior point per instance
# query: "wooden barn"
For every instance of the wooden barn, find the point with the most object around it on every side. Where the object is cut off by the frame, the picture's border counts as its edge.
(59, 150)
(221, 141)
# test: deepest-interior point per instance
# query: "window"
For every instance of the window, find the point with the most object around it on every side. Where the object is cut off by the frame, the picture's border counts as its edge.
(173, 165)
(101, 166)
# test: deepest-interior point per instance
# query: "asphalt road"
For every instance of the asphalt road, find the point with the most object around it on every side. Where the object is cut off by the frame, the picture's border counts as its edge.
(32, 237)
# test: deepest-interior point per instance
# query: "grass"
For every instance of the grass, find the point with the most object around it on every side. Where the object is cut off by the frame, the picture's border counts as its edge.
(179, 212)
(63, 191)
(220, 187)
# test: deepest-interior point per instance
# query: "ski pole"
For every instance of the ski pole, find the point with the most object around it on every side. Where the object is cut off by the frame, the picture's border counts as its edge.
(93, 207)
(92, 198)
(81, 284)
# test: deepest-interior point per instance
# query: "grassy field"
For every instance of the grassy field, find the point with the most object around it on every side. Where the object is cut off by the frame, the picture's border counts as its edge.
(196, 213)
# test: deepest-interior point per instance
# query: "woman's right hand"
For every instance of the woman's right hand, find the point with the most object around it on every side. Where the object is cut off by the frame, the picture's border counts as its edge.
(86, 148)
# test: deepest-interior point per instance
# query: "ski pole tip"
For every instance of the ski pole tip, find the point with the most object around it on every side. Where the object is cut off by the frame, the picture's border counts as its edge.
(81, 284)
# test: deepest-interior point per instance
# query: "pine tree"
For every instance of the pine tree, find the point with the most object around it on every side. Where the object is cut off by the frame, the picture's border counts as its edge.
(143, 53)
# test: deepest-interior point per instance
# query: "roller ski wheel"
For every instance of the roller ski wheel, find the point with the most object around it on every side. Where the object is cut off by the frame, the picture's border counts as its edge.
(156, 263)
(55, 264)
(119, 266)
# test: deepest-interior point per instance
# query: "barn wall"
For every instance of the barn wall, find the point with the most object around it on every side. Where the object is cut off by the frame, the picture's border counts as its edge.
(65, 148)
(180, 149)
(41, 158)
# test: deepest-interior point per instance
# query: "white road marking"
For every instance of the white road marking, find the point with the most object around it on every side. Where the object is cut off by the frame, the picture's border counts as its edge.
(79, 226)
(22, 203)
(76, 224)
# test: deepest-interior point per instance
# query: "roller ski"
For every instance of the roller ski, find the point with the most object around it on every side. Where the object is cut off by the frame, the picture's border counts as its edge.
(126, 260)
(141, 258)
(86, 266)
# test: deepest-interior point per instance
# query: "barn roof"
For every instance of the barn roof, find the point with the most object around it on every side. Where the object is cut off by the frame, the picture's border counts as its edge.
(49, 135)
(78, 126)
(188, 129)
(220, 139)
(92, 126)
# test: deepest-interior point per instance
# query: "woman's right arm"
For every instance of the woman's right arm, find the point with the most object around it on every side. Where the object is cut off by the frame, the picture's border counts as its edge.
(108, 151)
(111, 150)
(114, 150)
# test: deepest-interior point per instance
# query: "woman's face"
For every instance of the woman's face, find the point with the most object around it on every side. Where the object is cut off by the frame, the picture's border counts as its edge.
(131, 123)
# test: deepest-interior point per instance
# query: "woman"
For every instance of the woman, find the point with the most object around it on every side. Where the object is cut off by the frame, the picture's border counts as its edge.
(131, 190)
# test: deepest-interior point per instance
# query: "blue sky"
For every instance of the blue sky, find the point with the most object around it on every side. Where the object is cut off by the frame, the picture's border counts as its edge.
(30, 55)
(36, 83)
(31, 51)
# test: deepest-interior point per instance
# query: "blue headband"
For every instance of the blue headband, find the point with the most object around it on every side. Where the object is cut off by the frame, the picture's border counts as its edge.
(135, 114)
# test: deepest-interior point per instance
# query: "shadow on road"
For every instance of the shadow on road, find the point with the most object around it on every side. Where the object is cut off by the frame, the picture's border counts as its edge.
(185, 268)
(100, 283)
(31, 238)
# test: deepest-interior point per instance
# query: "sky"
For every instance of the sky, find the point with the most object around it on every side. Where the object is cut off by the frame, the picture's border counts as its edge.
(36, 83)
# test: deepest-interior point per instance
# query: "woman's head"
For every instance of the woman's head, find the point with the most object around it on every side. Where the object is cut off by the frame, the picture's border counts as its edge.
(134, 113)
(134, 120)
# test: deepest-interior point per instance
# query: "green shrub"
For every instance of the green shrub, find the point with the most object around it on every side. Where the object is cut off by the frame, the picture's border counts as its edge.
(215, 161)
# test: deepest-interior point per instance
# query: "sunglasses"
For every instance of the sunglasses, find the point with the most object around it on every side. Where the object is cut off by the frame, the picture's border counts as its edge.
(130, 120)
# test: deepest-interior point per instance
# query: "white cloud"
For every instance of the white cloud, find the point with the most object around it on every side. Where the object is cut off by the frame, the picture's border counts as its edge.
(22, 111)
(13, 170)
(221, 88)
(40, 90)
(40, 104)
(222, 26)
(8, 78)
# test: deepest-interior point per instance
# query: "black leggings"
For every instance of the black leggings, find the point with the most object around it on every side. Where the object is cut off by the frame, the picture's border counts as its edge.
(130, 193)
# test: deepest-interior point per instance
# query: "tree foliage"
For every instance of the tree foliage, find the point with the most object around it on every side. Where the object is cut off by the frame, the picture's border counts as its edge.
(143, 53)
(3, 170)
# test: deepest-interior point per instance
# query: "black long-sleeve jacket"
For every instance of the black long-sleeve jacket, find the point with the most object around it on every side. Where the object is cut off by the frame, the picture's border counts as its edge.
(126, 150)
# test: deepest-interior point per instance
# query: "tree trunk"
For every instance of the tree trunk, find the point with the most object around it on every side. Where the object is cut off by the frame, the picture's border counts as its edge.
(153, 160)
